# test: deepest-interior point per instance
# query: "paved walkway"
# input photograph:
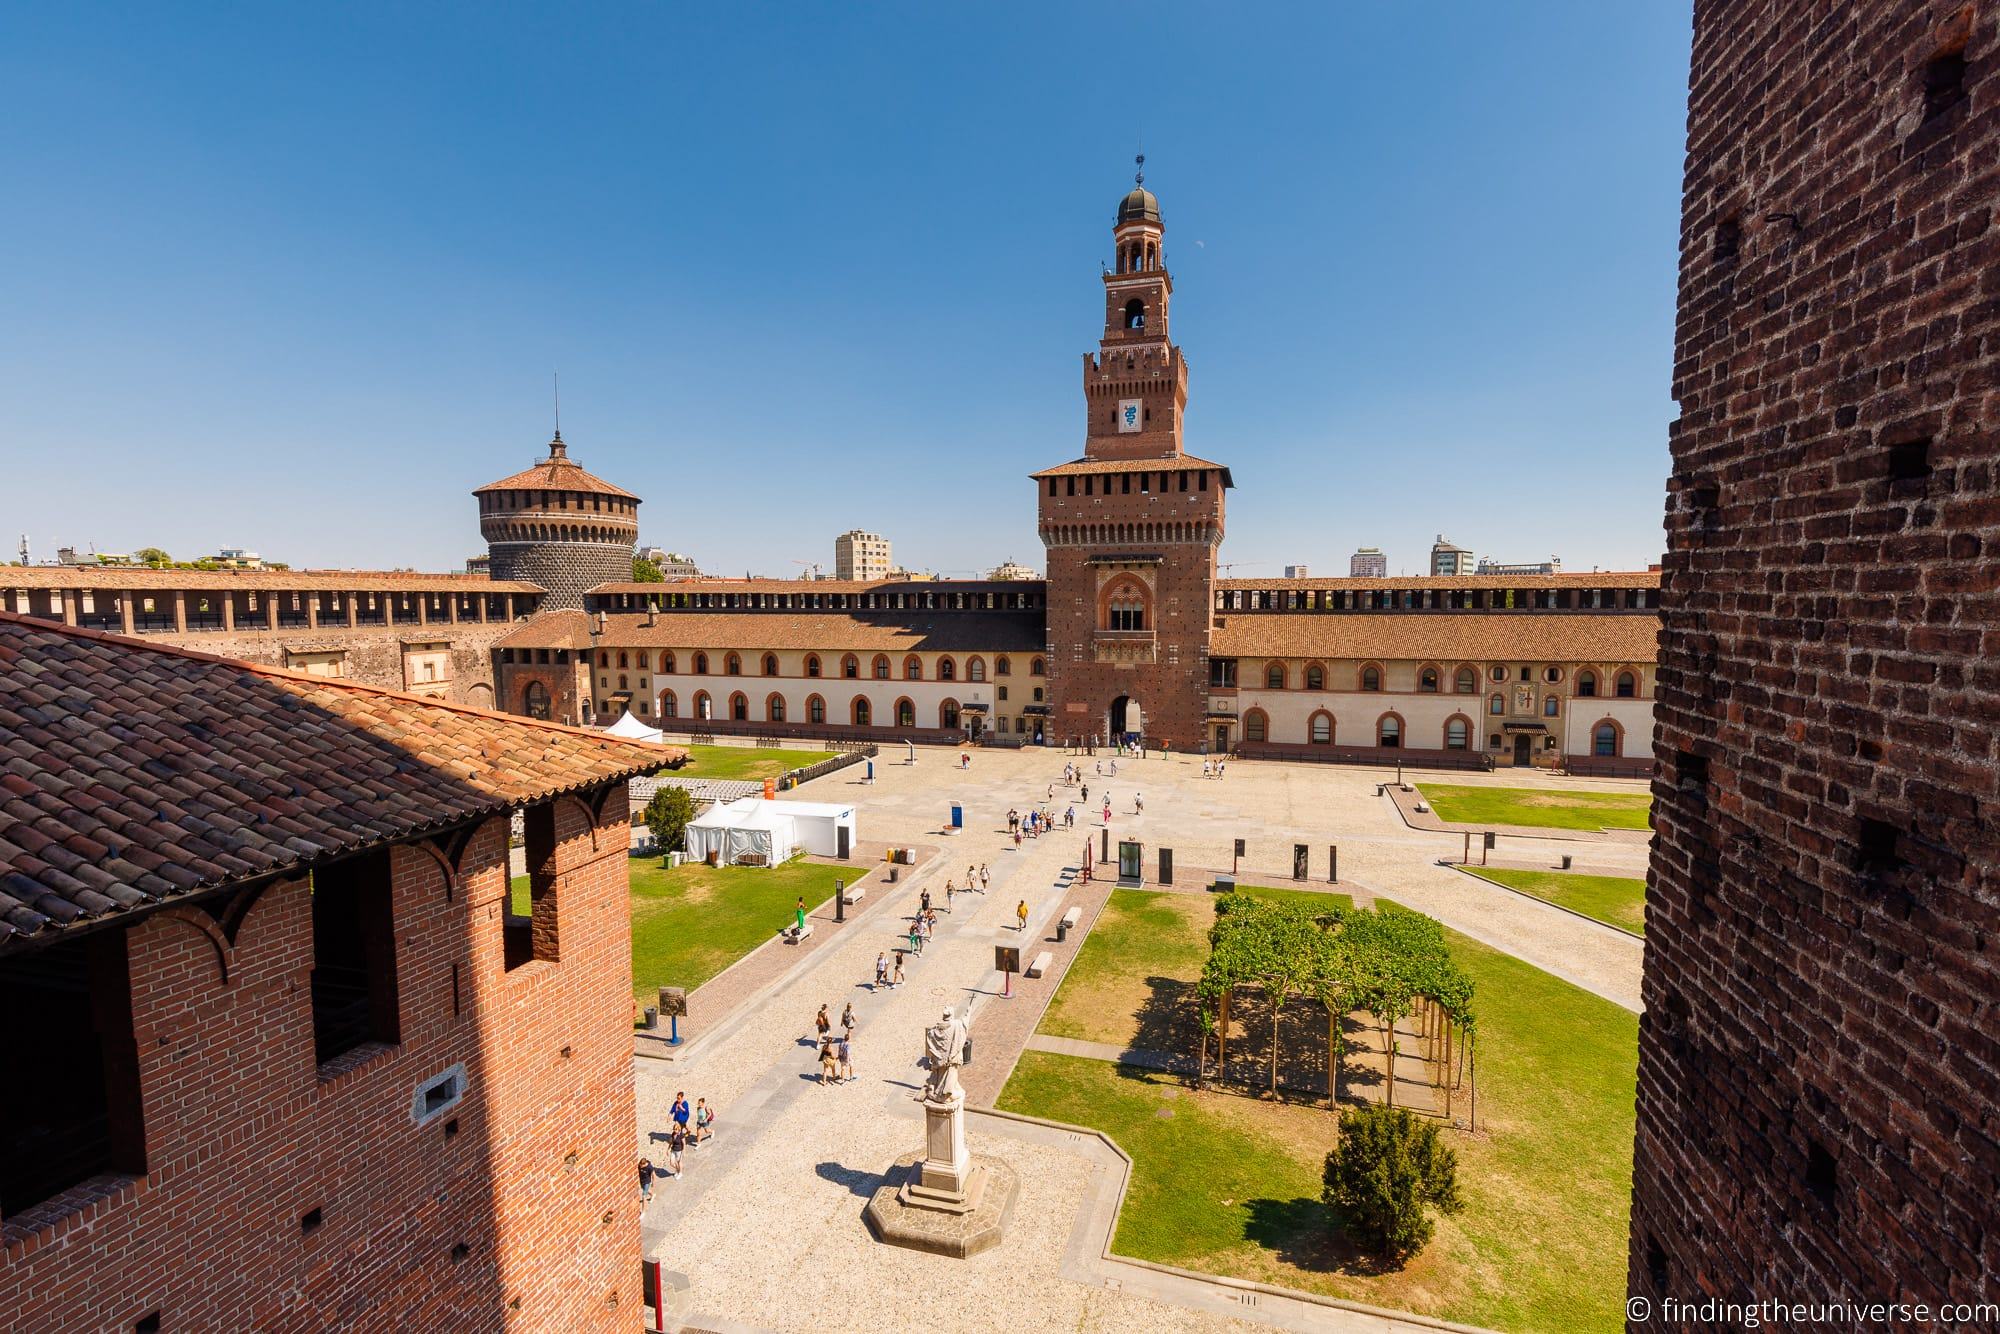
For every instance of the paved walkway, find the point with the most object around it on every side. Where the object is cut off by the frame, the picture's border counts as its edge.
(766, 1222)
(1144, 1057)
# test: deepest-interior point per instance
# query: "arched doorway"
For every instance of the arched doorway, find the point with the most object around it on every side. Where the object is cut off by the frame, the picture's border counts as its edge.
(1128, 721)
(535, 701)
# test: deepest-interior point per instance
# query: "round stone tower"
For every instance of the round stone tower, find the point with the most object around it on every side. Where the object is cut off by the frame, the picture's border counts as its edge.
(558, 526)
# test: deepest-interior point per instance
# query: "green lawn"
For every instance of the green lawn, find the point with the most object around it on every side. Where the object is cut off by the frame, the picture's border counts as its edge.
(750, 762)
(1611, 899)
(1230, 1184)
(691, 922)
(1457, 803)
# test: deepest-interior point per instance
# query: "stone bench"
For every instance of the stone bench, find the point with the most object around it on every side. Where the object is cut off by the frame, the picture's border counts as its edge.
(1041, 964)
(1072, 917)
(854, 894)
(794, 934)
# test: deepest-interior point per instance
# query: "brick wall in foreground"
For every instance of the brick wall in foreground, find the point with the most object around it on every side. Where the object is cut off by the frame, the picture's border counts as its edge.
(1819, 1076)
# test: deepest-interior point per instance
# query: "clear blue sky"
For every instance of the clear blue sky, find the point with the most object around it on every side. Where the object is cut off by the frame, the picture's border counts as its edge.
(293, 277)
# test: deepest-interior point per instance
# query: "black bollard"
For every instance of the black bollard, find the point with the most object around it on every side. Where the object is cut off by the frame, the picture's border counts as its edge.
(840, 900)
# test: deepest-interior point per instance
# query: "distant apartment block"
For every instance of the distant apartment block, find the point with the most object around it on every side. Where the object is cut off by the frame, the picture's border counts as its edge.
(1449, 559)
(1549, 566)
(1368, 563)
(859, 555)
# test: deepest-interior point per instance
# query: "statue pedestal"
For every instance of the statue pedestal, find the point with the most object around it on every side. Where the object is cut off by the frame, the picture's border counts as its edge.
(946, 1204)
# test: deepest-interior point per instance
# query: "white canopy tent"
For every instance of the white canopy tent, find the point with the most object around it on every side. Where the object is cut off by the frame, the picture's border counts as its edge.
(818, 826)
(747, 828)
(628, 728)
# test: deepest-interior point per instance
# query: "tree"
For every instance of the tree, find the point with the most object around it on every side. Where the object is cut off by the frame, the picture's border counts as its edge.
(667, 815)
(152, 556)
(1388, 1167)
(645, 572)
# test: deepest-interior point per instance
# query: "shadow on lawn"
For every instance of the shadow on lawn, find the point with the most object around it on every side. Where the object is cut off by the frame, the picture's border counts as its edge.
(1304, 1233)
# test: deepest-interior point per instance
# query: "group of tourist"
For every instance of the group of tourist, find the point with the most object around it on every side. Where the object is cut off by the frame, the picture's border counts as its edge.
(1211, 769)
(688, 1127)
(836, 1053)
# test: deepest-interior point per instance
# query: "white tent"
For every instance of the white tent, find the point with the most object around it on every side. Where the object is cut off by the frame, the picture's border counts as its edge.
(747, 828)
(819, 824)
(628, 728)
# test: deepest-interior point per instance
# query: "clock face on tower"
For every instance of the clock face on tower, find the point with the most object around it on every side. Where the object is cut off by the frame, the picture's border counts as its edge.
(1130, 415)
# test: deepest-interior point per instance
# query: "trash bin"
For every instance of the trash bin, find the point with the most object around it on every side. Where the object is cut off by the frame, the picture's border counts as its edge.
(652, 1016)
(1566, 858)
(957, 816)
(1062, 931)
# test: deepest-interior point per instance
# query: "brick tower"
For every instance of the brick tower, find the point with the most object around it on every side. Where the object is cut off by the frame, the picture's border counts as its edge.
(1131, 528)
(558, 526)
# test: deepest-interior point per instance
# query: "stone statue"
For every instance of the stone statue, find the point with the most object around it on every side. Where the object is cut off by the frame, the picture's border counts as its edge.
(944, 1044)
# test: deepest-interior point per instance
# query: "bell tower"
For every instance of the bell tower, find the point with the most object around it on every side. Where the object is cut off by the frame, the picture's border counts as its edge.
(1131, 528)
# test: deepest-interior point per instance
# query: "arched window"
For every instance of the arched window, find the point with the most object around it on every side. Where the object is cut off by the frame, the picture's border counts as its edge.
(704, 708)
(701, 664)
(1002, 666)
(1586, 684)
(906, 713)
(1274, 676)
(913, 668)
(1320, 730)
(1371, 677)
(535, 701)
(1389, 730)
(774, 709)
(975, 669)
(1551, 705)
(624, 683)
(733, 664)
(858, 711)
(815, 709)
(812, 664)
(948, 715)
(1626, 685)
(1496, 705)
(1465, 681)
(670, 707)
(1604, 739)
(1427, 680)
(739, 708)
(850, 667)
(770, 664)
(1255, 725)
(623, 660)
(1135, 314)
(642, 661)
(1315, 677)
(1035, 667)
(881, 666)
(1456, 733)
(947, 670)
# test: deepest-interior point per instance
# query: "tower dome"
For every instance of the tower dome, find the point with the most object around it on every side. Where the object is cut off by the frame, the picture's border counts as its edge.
(559, 526)
(1140, 205)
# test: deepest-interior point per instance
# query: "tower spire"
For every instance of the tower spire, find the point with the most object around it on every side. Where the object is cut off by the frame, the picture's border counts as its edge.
(1139, 176)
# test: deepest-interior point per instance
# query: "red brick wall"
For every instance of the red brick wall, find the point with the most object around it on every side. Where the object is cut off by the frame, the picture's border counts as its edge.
(245, 1135)
(1819, 1076)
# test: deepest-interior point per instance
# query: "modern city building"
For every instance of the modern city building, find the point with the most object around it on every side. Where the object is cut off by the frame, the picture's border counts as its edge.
(859, 555)
(1449, 559)
(1366, 563)
(1490, 566)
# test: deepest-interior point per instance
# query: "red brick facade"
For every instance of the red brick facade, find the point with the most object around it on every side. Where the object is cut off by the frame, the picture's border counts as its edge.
(1131, 529)
(512, 1207)
(1819, 1076)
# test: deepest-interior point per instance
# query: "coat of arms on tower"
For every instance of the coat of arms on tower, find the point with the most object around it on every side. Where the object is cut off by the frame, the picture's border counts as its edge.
(1128, 415)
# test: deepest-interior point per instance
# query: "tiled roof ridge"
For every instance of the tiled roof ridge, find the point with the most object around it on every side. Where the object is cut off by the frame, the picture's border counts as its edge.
(317, 682)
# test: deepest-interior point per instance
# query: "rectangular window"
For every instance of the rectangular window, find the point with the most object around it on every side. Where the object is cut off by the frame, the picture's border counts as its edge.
(354, 956)
(69, 1104)
(1204, 481)
(531, 923)
(1072, 487)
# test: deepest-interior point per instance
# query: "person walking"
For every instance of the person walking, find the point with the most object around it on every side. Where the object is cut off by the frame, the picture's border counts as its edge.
(846, 1054)
(1021, 915)
(916, 939)
(881, 969)
(829, 1068)
(1138, 803)
(985, 877)
(847, 1020)
(1086, 794)
(676, 1142)
(948, 892)
(703, 1119)
(924, 901)
(680, 1112)
(1069, 818)
(1107, 811)
(969, 873)
(822, 1023)
(645, 1180)
(896, 977)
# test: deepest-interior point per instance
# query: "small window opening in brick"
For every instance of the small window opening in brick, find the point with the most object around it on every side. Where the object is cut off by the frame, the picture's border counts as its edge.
(1691, 770)
(310, 1221)
(354, 955)
(148, 1323)
(1820, 1175)
(1656, 1264)
(531, 909)
(69, 1098)
(1875, 847)
(451, 1128)
(1728, 241)
(1909, 460)
(459, 1252)
(1944, 83)
(440, 1094)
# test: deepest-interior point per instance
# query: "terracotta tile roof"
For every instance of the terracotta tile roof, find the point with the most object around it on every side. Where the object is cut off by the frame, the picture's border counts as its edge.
(549, 629)
(1437, 636)
(558, 472)
(1169, 463)
(830, 631)
(1567, 579)
(290, 581)
(133, 774)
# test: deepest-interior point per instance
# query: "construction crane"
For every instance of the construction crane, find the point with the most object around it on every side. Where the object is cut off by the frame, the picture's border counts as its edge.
(804, 565)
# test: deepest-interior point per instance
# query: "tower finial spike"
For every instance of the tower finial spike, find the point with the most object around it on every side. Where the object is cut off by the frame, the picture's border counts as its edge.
(1139, 176)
